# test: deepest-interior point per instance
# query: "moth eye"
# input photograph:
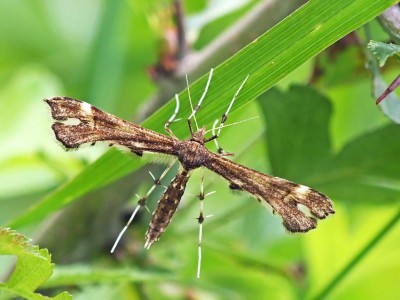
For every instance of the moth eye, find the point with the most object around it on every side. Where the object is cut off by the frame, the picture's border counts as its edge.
(92, 144)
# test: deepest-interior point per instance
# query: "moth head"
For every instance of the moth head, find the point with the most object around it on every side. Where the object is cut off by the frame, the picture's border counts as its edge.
(198, 136)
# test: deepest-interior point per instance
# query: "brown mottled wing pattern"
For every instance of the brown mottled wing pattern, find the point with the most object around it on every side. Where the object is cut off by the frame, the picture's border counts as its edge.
(96, 125)
(298, 205)
(166, 207)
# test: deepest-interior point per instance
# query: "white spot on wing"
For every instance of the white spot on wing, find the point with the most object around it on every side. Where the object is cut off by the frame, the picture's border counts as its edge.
(86, 107)
(302, 190)
(304, 209)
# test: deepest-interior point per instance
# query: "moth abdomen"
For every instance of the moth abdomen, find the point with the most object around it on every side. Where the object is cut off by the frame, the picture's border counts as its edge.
(166, 207)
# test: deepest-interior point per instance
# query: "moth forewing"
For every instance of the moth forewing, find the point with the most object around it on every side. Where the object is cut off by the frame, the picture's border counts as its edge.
(96, 125)
(286, 198)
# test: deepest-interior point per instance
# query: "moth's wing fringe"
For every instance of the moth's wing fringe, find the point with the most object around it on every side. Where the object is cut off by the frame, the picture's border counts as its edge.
(298, 205)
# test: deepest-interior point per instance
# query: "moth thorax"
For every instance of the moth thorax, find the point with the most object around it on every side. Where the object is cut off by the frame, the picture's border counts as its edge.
(198, 136)
(191, 154)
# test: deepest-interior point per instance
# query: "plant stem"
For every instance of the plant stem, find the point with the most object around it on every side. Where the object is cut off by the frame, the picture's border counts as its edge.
(347, 269)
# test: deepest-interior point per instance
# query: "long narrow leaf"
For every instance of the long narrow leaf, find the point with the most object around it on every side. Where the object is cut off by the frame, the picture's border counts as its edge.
(269, 58)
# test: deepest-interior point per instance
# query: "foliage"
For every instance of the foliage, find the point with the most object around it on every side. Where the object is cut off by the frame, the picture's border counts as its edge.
(32, 269)
(383, 51)
(391, 106)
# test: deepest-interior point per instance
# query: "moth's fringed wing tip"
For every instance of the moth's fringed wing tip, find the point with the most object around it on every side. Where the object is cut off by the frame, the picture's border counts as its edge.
(71, 117)
(63, 108)
(304, 207)
(52, 103)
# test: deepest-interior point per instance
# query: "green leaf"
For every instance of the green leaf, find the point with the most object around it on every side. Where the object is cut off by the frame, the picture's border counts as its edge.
(297, 131)
(298, 122)
(388, 101)
(383, 51)
(32, 269)
(267, 59)
(360, 276)
(366, 169)
(83, 275)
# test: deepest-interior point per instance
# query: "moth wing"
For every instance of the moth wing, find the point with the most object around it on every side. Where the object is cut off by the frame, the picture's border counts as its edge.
(80, 123)
(298, 205)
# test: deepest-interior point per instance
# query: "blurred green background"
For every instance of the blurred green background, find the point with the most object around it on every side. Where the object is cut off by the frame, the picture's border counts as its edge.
(318, 126)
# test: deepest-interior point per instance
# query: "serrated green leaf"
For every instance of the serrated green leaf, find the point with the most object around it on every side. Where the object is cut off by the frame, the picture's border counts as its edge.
(383, 51)
(389, 103)
(32, 269)
(267, 59)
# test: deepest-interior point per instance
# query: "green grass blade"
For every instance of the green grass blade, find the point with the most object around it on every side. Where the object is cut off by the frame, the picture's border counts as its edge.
(268, 59)
(347, 269)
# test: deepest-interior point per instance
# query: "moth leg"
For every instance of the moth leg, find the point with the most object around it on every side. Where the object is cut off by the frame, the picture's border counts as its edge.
(172, 118)
(223, 120)
(215, 138)
(196, 109)
(201, 219)
(142, 202)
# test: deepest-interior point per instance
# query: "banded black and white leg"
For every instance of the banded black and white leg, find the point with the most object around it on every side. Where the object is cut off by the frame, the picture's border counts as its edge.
(196, 109)
(215, 133)
(172, 118)
(201, 219)
(157, 181)
(142, 201)
(201, 196)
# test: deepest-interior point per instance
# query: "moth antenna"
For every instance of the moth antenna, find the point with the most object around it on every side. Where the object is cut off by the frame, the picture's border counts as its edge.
(142, 202)
(196, 109)
(226, 125)
(172, 118)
